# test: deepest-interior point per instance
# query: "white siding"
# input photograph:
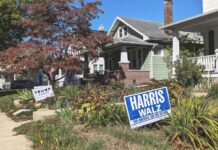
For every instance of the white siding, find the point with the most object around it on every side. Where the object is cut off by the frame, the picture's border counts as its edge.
(98, 63)
(209, 5)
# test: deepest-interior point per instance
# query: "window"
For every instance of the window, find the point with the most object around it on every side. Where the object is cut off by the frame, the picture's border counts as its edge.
(158, 51)
(101, 69)
(123, 31)
(95, 68)
(211, 43)
(120, 32)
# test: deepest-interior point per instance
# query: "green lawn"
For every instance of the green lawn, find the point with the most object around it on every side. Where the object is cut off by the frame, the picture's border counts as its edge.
(52, 134)
(6, 102)
(7, 92)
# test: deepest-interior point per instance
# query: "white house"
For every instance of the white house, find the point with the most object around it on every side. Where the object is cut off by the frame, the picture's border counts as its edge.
(206, 24)
(95, 65)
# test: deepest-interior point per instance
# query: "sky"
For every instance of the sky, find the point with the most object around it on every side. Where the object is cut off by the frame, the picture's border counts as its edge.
(151, 10)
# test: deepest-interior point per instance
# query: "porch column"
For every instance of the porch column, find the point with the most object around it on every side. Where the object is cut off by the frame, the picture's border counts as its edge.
(124, 62)
(124, 55)
(60, 74)
(176, 49)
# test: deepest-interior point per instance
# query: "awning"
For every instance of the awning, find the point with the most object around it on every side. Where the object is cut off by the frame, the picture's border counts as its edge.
(195, 24)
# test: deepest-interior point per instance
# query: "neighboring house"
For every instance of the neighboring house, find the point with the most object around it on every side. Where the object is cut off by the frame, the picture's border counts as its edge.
(7, 78)
(96, 65)
(206, 24)
(139, 50)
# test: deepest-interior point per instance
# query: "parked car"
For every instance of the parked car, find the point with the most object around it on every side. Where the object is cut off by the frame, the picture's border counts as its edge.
(22, 84)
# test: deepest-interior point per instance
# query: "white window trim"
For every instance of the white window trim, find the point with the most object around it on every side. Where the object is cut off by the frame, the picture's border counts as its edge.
(123, 35)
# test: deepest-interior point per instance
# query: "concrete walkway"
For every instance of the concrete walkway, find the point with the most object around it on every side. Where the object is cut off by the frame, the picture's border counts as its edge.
(8, 138)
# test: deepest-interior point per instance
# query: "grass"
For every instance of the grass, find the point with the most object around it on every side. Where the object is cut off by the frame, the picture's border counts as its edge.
(144, 138)
(6, 103)
(7, 106)
(8, 92)
(51, 134)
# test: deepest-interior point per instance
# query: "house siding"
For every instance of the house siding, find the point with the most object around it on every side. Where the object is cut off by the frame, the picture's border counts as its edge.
(147, 64)
(160, 70)
(209, 5)
(131, 32)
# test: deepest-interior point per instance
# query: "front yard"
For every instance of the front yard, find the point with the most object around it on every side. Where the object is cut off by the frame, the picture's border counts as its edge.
(95, 118)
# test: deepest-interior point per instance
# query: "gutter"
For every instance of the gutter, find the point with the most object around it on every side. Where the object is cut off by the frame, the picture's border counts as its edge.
(170, 26)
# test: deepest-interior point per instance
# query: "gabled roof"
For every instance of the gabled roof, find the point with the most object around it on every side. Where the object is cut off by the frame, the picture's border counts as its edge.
(148, 29)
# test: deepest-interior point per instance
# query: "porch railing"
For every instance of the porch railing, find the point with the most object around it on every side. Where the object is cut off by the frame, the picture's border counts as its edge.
(209, 62)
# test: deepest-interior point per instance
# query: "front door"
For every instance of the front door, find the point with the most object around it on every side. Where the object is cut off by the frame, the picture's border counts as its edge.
(211, 43)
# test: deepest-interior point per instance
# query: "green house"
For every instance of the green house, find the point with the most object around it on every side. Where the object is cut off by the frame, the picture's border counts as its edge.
(138, 52)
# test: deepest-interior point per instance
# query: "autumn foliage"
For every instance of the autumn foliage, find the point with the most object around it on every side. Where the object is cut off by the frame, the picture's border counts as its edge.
(50, 27)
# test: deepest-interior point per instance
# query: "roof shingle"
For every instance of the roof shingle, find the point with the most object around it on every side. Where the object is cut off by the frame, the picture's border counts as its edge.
(148, 28)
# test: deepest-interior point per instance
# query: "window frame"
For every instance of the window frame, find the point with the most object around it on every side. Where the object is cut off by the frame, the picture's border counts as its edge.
(161, 52)
(123, 31)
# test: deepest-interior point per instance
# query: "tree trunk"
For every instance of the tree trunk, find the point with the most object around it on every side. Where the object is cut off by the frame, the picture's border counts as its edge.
(86, 69)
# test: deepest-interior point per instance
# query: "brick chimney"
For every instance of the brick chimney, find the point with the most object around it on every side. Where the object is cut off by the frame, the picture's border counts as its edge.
(168, 12)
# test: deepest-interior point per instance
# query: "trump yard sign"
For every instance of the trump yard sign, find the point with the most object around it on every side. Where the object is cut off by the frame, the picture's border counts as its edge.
(42, 92)
(147, 107)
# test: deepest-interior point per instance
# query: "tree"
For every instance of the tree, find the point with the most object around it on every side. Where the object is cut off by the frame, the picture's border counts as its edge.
(10, 29)
(51, 26)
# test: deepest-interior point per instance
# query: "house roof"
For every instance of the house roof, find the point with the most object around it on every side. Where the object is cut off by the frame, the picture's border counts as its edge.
(129, 40)
(148, 29)
(196, 23)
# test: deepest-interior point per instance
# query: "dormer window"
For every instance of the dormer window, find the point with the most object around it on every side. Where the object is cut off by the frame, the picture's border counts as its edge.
(123, 31)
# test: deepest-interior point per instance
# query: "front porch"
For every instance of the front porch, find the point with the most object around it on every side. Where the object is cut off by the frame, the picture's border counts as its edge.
(207, 25)
(129, 63)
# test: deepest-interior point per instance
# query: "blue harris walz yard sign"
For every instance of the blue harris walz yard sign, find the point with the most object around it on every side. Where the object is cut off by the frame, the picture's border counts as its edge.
(147, 107)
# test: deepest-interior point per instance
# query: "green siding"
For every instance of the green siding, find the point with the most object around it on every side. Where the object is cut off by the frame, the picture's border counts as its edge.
(131, 32)
(147, 63)
(160, 70)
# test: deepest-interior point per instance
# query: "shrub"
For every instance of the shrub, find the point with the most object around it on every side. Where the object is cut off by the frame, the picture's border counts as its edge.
(70, 92)
(191, 123)
(109, 114)
(175, 90)
(116, 85)
(213, 91)
(25, 95)
(65, 114)
(188, 73)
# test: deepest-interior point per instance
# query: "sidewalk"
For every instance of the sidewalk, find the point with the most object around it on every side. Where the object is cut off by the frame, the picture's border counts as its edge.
(8, 138)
